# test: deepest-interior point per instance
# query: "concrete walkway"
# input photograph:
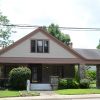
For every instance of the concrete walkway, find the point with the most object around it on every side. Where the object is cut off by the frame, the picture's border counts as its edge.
(50, 95)
(47, 93)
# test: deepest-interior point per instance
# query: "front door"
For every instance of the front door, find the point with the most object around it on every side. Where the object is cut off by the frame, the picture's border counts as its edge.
(36, 70)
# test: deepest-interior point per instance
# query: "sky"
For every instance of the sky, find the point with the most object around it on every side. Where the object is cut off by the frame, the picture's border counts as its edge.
(65, 13)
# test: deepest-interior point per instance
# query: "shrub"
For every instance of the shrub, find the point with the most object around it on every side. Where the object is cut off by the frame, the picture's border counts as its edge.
(72, 84)
(84, 83)
(68, 84)
(18, 77)
(91, 74)
(75, 84)
(62, 84)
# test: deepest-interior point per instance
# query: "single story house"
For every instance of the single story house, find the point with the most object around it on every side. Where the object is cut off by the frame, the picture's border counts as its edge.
(47, 56)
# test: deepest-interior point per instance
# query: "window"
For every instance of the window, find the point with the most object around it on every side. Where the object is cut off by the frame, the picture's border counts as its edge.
(46, 46)
(39, 46)
(33, 45)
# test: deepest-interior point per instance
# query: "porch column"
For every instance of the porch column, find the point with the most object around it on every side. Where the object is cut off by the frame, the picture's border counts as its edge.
(81, 71)
(98, 76)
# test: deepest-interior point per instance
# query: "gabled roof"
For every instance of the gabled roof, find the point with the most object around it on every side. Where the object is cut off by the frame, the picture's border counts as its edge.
(47, 34)
(91, 54)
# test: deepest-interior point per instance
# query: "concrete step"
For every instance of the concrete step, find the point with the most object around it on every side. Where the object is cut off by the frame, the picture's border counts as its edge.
(41, 87)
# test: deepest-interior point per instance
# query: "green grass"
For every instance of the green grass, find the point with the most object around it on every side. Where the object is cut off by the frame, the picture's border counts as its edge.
(8, 93)
(77, 91)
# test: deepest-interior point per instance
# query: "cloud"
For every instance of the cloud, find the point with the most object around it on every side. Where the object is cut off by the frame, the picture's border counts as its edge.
(68, 13)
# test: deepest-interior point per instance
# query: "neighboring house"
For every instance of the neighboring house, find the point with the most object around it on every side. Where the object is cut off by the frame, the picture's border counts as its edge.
(47, 56)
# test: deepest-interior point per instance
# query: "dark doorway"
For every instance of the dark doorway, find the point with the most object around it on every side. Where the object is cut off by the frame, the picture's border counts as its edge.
(36, 70)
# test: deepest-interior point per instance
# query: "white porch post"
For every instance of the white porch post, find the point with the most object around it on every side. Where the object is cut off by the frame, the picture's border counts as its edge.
(98, 76)
(81, 71)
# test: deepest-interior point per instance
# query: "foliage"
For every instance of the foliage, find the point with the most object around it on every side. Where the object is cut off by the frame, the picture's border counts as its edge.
(91, 74)
(18, 77)
(77, 91)
(84, 83)
(67, 84)
(62, 84)
(98, 46)
(72, 84)
(55, 31)
(5, 31)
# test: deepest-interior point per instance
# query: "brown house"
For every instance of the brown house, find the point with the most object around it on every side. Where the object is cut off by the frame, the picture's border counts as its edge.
(46, 56)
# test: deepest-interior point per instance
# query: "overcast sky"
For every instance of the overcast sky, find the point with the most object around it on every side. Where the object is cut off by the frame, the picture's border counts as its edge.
(67, 13)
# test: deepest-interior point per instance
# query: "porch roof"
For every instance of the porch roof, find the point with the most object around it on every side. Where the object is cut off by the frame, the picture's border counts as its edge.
(90, 54)
(29, 60)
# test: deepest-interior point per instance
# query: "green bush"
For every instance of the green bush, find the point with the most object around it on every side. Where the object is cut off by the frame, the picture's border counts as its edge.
(75, 84)
(72, 84)
(84, 83)
(68, 84)
(91, 74)
(18, 77)
(62, 84)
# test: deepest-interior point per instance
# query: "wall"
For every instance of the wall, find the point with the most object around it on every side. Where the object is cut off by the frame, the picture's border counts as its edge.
(23, 49)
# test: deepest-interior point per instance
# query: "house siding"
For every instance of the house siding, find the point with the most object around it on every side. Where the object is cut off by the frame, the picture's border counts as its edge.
(23, 49)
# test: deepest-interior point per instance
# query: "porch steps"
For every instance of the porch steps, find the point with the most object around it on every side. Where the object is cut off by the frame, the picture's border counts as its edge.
(45, 87)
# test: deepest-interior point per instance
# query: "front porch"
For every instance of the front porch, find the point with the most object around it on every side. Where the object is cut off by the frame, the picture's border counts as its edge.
(40, 74)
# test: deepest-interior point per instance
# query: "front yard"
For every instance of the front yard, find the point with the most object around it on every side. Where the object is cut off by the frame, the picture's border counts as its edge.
(6, 93)
(77, 91)
(9, 93)
(91, 90)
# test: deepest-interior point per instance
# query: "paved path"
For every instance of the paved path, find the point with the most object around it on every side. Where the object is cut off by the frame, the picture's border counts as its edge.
(50, 95)
(47, 93)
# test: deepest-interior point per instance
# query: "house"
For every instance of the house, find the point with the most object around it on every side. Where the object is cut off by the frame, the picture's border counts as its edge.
(47, 56)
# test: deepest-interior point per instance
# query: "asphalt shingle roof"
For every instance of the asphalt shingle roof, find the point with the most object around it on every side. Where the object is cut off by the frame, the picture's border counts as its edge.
(89, 53)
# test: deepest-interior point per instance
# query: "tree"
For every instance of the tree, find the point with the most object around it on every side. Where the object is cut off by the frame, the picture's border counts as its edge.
(98, 47)
(55, 31)
(5, 31)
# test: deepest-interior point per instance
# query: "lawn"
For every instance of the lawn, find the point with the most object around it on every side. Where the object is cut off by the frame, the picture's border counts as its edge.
(77, 91)
(8, 93)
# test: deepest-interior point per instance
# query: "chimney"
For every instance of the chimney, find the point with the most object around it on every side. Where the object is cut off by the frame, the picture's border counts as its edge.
(70, 45)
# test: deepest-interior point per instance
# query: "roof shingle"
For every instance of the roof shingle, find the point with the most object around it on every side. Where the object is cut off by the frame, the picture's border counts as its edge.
(92, 54)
